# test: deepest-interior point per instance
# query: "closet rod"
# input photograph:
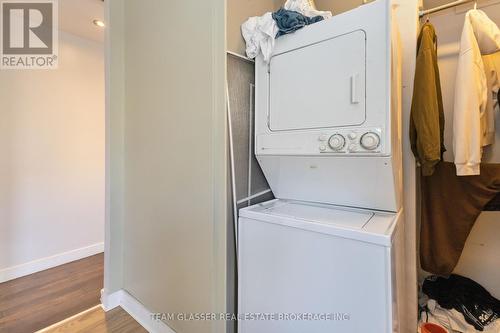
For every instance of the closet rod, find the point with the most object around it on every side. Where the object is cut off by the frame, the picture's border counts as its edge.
(443, 7)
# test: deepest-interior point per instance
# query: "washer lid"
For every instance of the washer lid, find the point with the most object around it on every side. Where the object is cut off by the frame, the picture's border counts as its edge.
(352, 223)
(320, 214)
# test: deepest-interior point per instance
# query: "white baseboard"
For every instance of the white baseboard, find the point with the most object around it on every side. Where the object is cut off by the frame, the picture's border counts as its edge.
(111, 301)
(42, 264)
(134, 308)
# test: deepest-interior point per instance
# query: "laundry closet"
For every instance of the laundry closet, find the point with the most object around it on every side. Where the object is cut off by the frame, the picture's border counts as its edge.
(456, 238)
(479, 259)
(283, 159)
(338, 169)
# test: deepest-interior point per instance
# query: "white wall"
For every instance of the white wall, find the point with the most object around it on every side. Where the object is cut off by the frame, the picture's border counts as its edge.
(115, 183)
(167, 191)
(52, 160)
(408, 28)
(479, 259)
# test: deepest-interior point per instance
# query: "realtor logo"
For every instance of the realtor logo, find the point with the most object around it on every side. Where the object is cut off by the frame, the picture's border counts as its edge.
(29, 34)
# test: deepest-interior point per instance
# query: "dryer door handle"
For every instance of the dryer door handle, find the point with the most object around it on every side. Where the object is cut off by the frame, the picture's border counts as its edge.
(354, 88)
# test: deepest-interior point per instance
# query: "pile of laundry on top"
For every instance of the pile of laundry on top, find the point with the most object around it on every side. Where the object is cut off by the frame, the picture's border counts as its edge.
(459, 304)
(260, 32)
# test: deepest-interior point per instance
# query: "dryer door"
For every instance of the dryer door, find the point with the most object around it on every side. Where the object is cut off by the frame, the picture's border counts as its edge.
(320, 85)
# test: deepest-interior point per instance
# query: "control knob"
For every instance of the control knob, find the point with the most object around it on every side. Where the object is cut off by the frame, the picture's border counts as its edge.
(370, 141)
(336, 142)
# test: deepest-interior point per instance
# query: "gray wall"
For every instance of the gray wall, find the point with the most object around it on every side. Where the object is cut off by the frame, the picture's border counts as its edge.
(248, 177)
(170, 142)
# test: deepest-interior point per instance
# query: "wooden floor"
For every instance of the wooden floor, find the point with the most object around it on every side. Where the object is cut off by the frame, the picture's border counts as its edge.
(98, 321)
(31, 303)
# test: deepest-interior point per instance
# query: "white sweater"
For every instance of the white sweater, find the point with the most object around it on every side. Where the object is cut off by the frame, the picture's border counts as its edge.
(480, 36)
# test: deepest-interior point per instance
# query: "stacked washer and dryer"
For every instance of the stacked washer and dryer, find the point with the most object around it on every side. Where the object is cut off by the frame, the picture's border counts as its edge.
(326, 255)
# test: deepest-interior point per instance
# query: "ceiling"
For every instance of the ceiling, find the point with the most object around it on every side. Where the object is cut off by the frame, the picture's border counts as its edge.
(76, 16)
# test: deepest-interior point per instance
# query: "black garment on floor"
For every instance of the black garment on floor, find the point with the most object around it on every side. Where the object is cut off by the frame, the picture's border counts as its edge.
(466, 296)
(289, 21)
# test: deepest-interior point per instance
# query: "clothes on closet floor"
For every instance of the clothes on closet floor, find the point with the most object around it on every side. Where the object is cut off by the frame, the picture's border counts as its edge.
(427, 115)
(260, 32)
(289, 21)
(452, 320)
(458, 297)
(449, 209)
(471, 123)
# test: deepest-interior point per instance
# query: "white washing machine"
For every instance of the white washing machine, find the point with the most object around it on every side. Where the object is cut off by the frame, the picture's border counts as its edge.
(337, 267)
(328, 137)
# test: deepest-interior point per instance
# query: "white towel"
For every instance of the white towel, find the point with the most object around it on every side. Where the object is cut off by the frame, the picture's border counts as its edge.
(259, 34)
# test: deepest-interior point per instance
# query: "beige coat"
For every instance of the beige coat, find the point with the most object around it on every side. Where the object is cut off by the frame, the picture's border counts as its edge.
(480, 36)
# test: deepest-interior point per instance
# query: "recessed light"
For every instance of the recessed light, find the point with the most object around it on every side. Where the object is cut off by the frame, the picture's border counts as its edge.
(99, 23)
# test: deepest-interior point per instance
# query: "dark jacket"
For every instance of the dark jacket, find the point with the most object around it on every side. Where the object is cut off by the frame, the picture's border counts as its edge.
(427, 116)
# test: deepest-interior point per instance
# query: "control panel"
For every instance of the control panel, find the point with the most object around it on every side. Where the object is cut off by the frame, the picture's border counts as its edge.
(351, 141)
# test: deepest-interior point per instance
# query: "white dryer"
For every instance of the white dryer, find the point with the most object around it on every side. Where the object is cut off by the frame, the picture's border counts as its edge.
(326, 129)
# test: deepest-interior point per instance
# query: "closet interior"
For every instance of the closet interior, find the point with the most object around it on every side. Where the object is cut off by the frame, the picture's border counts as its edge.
(461, 252)
(459, 203)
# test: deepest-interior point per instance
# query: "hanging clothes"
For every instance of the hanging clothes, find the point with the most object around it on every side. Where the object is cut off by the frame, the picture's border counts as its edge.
(427, 115)
(449, 209)
(492, 70)
(479, 308)
(480, 36)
